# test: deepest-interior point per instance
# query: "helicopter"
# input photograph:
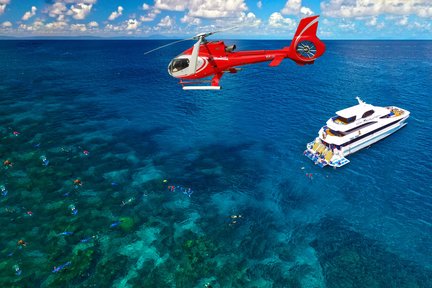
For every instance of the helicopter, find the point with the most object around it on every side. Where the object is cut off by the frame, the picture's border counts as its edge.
(214, 59)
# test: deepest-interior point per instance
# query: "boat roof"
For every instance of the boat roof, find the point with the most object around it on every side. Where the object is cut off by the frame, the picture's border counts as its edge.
(357, 110)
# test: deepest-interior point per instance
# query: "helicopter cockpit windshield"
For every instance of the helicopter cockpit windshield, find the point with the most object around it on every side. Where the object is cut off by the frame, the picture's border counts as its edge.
(178, 64)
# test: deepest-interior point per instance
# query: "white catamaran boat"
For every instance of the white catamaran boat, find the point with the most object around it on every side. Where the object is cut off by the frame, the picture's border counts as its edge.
(352, 129)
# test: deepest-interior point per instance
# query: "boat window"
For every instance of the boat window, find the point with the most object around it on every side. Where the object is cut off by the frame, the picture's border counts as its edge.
(342, 120)
(336, 133)
(360, 127)
(368, 113)
(179, 64)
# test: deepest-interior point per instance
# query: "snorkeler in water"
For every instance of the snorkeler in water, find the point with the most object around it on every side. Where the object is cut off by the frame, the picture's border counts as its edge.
(73, 209)
(3, 190)
(7, 163)
(17, 270)
(61, 267)
(77, 183)
(45, 161)
(21, 243)
(115, 224)
(130, 200)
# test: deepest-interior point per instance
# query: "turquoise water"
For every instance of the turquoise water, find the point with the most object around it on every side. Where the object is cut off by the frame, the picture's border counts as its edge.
(103, 113)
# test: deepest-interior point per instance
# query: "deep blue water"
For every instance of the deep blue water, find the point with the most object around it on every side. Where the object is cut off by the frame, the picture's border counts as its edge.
(254, 218)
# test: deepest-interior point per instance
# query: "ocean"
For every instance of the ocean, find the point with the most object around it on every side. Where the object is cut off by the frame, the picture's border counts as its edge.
(119, 178)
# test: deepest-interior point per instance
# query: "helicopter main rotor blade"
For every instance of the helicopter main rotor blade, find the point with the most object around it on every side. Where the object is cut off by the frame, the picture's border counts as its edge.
(223, 30)
(214, 32)
(166, 45)
(194, 55)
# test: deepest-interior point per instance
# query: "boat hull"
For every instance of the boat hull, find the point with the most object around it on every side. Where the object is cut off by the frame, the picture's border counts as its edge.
(374, 138)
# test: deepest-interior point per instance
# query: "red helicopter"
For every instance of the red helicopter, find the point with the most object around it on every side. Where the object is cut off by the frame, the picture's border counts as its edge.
(214, 58)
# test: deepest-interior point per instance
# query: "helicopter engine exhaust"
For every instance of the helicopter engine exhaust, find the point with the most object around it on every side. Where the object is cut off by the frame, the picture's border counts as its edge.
(230, 48)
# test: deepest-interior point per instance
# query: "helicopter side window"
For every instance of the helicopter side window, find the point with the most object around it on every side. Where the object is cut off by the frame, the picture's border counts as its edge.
(179, 64)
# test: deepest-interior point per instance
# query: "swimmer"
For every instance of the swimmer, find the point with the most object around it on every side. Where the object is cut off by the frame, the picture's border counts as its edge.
(74, 211)
(30, 213)
(3, 190)
(77, 183)
(85, 240)
(17, 269)
(61, 267)
(127, 201)
(21, 243)
(45, 161)
(115, 224)
(85, 152)
(66, 233)
(7, 163)
(165, 181)
(16, 133)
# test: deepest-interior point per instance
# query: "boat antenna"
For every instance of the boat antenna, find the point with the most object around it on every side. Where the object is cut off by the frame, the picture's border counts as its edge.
(359, 100)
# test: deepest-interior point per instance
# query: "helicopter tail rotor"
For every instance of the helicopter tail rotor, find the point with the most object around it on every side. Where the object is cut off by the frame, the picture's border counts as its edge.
(306, 46)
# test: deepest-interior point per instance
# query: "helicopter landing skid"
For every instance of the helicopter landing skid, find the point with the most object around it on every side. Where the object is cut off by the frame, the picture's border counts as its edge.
(201, 87)
(214, 83)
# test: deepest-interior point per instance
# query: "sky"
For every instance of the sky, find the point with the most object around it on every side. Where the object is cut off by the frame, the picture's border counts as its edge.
(264, 19)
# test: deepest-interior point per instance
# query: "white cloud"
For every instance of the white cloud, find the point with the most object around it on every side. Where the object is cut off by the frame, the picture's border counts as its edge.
(359, 8)
(216, 8)
(145, 6)
(347, 26)
(150, 16)
(57, 9)
(203, 8)
(80, 10)
(166, 22)
(132, 24)
(78, 1)
(403, 21)
(37, 25)
(249, 20)
(306, 11)
(372, 21)
(93, 24)
(277, 20)
(3, 4)
(114, 15)
(110, 27)
(259, 4)
(27, 15)
(78, 27)
(6, 24)
(190, 20)
(173, 5)
(423, 26)
(294, 7)
(57, 25)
